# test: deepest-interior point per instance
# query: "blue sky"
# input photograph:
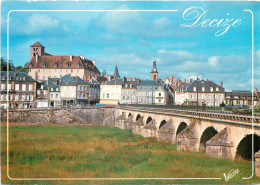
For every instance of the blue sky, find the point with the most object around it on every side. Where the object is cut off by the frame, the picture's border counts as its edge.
(132, 39)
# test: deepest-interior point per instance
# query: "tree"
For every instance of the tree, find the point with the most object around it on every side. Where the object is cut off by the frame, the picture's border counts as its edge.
(22, 69)
(4, 65)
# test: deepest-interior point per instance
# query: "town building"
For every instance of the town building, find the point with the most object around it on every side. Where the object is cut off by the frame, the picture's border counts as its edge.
(152, 92)
(241, 98)
(94, 91)
(208, 92)
(54, 92)
(110, 92)
(43, 65)
(42, 94)
(19, 89)
(129, 91)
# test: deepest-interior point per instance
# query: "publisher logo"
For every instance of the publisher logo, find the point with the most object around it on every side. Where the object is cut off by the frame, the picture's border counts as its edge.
(230, 174)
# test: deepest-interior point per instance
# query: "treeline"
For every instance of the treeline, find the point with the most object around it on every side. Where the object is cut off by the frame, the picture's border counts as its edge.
(5, 65)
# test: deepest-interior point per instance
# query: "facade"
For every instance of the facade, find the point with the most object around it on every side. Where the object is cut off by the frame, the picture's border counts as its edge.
(43, 65)
(129, 91)
(42, 94)
(54, 92)
(152, 92)
(241, 98)
(110, 93)
(208, 92)
(19, 89)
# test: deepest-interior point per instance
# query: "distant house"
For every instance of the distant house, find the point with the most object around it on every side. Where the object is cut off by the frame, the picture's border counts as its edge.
(43, 65)
(19, 89)
(129, 91)
(241, 98)
(208, 92)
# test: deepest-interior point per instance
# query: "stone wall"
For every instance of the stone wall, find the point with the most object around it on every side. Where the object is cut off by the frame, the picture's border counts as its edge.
(96, 115)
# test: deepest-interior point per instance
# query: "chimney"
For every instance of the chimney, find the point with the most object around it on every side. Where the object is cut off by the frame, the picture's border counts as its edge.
(76, 78)
(134, 79)
(69, 74)
(14, 73)
(67, 83)
(207, 79)
(36, 75)
(85, 78)
(124, 79)
(184, 80)
(191, 81)
(37, 57)
(138, 80)
(221, 83)
(89, 77)
(115, 81)
(94, 62)
(70, 57)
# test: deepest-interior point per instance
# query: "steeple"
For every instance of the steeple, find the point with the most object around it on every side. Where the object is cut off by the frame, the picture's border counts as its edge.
(154, 72)
(116, 74)
(37, 49)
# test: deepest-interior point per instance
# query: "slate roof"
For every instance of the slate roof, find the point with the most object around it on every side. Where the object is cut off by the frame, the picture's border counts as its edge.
(133, 82)
(16, 76)
(45, 85)
(37, 44)
(199, 84)
(119, 81)
(240, 94)
(72, 80)
(151, 83)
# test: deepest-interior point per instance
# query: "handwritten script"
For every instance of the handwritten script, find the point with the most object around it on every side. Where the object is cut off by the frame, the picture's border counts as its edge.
(196, 16)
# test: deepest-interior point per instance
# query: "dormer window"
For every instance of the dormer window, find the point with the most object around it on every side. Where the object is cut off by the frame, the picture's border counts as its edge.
(211, 89)
(194, 89)
(131, 85)
(217, 89)
(44, 64)
(203, 89)
(67, 64)
(55, 65)
(24, 78)
(78, 64)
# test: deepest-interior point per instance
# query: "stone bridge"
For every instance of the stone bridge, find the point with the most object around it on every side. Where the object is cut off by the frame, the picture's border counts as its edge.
(218, 134)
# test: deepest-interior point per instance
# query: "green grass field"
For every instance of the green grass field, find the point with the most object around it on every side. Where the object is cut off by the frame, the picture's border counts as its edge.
(56, 151)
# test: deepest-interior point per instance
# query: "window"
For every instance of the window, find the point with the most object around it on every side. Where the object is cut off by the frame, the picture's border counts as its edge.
(159, 100)
(57, 89)
(31, 97)
(57, 96)
(78, 64)
(44, 65)
(2, 86)
(72, 70)
(51, 89)
(23, 87)
(209, 97)
(43, 78)
(30, 87)
(160, 94)
(55, 65)
(203, 89)
(123, 97)
(67, 64)
(133, 92)
(194, 89)
(103, 95)
(51, 95)
(39, 70)
(16, 97)
(107, 95)
(211, 89)
(123, 91)
(128, 92)
(133, 98)
(219, 97)
(217, 89)
(41, 86)
(127, 98)
(23, 97)
(17, 87)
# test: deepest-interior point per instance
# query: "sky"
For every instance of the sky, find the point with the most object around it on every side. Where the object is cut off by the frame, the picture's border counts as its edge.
(181, 45)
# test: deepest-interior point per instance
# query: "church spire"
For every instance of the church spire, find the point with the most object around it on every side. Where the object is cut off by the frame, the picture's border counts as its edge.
(116, 74)
(154, 72)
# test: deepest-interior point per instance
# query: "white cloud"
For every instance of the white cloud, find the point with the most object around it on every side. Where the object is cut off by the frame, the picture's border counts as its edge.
(213, 61)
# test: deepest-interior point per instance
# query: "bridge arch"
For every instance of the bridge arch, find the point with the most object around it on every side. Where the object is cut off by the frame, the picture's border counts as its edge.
(181, 127)
(138, 117)
(129, 114)
(148, 120)
(163, 122)
(244, 148)
(206, 135)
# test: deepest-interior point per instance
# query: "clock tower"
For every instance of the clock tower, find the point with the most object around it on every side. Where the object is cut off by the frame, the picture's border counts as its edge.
(154, 72)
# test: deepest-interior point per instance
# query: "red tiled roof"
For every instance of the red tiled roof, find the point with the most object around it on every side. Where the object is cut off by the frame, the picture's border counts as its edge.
(49, 61)
(37, 44)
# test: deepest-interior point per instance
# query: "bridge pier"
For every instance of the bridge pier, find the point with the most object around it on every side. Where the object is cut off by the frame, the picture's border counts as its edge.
(221, 145)
(166, 133)
(137, 126)
(257, 164)
(149, 130)
(120, 121)
(188, 138)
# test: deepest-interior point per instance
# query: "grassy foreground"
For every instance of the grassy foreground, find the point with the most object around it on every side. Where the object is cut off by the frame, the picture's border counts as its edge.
(56, 151)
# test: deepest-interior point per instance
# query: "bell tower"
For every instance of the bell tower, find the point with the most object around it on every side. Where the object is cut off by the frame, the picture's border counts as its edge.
(37, 48)
(154, 72)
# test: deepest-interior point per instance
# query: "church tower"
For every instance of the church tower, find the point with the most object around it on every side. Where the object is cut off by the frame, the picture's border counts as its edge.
(154, 72)
(116, 74)
(37, 48)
